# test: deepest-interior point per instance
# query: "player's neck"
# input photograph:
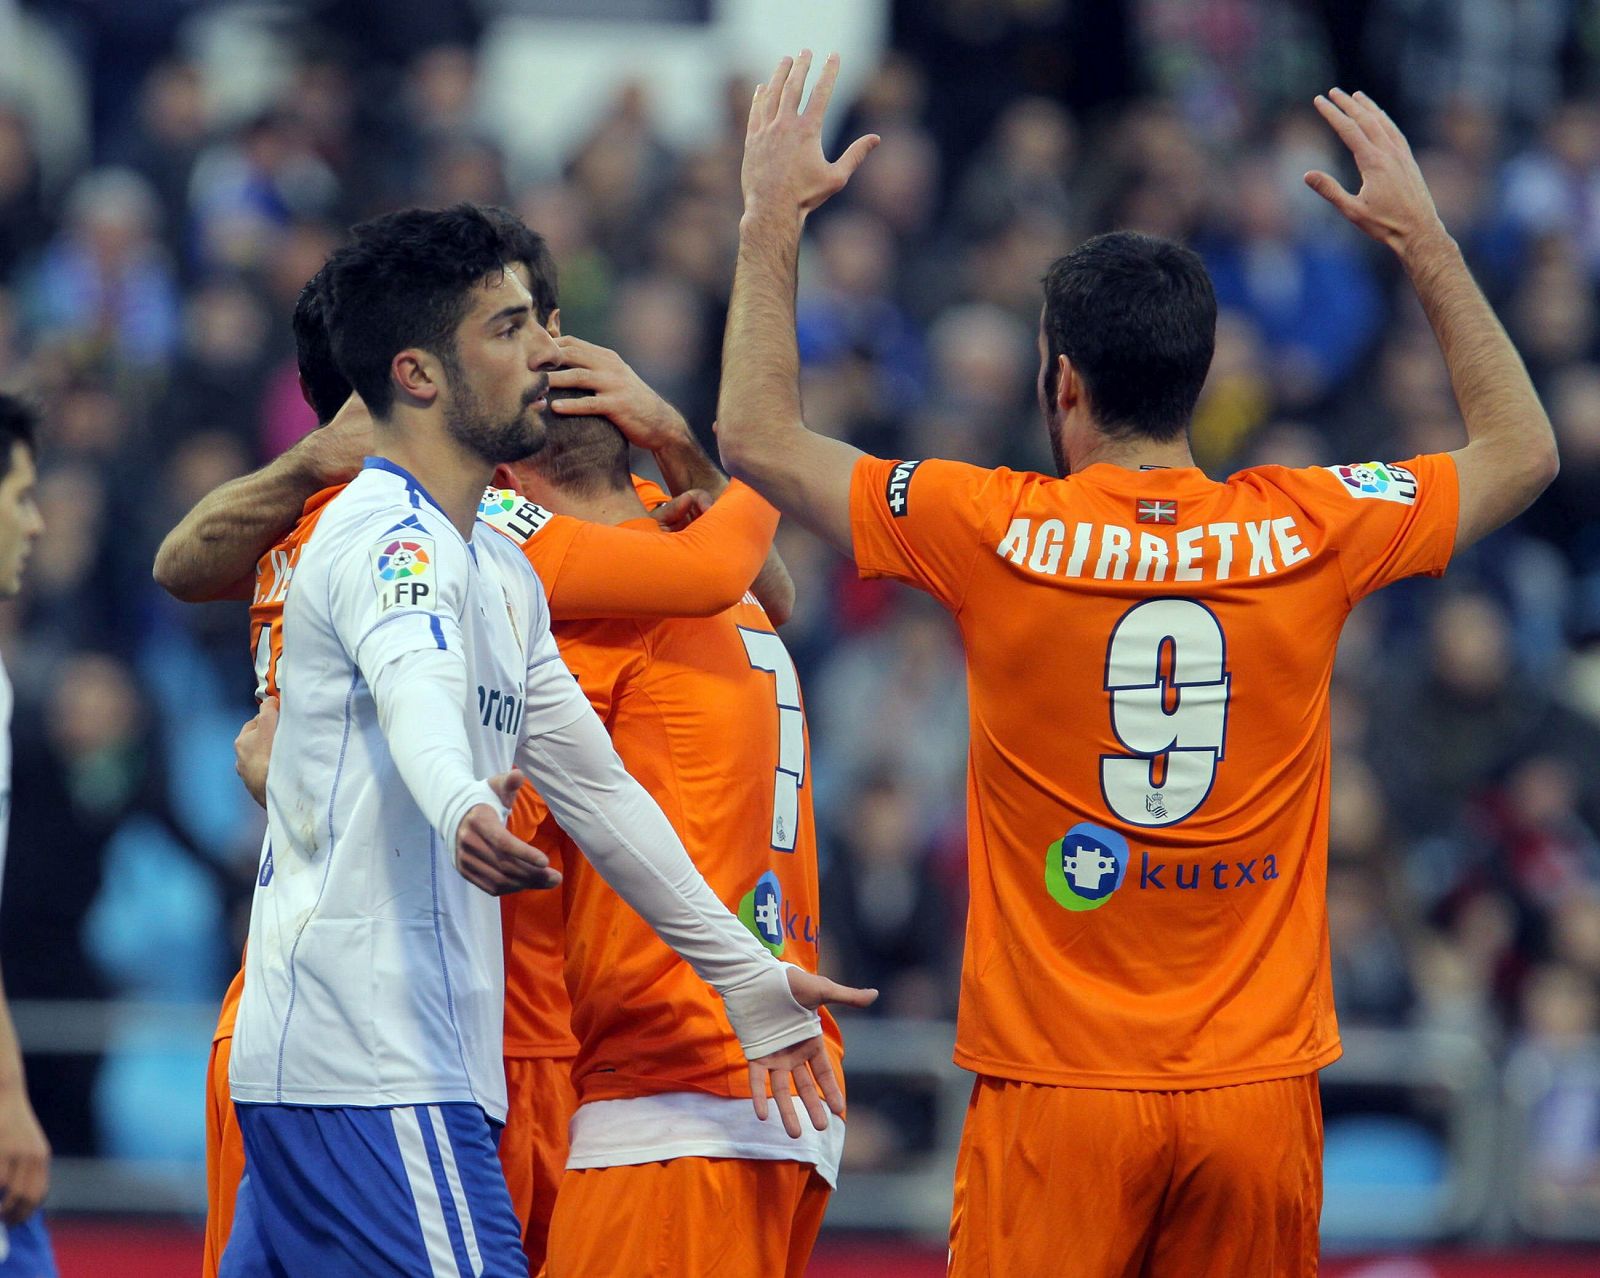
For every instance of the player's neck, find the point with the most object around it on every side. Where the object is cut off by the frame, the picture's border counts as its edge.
(1132, 454)
(608, 507)
(451, 475)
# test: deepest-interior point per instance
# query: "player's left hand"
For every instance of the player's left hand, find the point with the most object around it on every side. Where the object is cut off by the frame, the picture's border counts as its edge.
(804, 1069)
(490, 857)
(616, 392)
(253, 747)
(784, 167)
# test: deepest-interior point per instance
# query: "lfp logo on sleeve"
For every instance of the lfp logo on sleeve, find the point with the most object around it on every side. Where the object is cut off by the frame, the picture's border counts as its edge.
(1382, 480)
(400, 569)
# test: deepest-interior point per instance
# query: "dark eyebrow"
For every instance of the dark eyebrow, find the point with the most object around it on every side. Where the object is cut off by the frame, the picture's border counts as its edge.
(509, 312)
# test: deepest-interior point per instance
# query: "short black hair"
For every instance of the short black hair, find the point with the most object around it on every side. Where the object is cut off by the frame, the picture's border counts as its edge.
(1137, 317)
(406, 279)
(326, 388)
(19, 424)
(523, 244)
(584, 454)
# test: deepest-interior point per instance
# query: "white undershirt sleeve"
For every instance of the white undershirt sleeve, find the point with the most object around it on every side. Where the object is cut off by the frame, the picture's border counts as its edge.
(630, 842)
(419, 695)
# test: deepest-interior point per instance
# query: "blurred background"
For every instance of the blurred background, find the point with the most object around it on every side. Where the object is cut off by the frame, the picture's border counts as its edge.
(171, 171)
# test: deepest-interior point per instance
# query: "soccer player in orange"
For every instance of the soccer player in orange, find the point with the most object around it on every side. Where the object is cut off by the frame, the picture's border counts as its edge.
(1145, 994)
(706, 712)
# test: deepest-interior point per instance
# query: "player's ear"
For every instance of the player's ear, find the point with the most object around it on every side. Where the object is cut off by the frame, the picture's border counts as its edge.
(416, 374)
(553, 324)
(1069, 390)
(505, 477)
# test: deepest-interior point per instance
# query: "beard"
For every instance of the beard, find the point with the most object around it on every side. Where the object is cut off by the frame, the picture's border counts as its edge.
(1058, 453)
(494, 439)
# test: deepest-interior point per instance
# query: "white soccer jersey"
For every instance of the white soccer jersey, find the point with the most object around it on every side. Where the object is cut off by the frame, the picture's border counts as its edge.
(374, 974)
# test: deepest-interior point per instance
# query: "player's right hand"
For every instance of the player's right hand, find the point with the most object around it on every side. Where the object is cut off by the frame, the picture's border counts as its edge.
(1393, 205)
(784, 166)
(490, 857)
(24, 1157)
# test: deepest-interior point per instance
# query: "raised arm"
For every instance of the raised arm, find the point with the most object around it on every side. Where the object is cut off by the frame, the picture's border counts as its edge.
(1510, 456)
(212, 553)
(619, 394)
(760, 431)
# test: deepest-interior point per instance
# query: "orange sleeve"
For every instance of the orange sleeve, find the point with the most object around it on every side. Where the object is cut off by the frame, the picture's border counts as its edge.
(1386, 520)
(650, 493)
(923, 523)
(619, 571)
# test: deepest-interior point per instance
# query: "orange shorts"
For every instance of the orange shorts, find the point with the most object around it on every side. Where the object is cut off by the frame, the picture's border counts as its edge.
(533, 1146)
(1224, 1182)
(224, 1157)
(733, 1217)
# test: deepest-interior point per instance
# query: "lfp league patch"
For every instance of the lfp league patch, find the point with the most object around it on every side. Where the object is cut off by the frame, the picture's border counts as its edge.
(1384, 481)
(402, 571)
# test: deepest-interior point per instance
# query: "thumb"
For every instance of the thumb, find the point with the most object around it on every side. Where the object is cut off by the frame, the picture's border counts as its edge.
(856, 153)
(812, 991)
(506, 785)
(1330, 190)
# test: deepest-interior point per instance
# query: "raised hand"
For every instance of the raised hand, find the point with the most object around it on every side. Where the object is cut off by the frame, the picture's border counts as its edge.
(804, 1070)
(490, 857)
(784, 167)
(1393, 205)
(615, 392)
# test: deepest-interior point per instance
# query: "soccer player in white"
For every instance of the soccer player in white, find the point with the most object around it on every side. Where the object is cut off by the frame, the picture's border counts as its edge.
(417, 669)
(24, 1154)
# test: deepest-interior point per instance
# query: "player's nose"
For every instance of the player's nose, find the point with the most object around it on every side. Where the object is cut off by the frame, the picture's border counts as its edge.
(542, 349)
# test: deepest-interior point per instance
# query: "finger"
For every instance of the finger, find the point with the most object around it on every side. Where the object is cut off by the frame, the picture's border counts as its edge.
(783, 1098)
(758, 1091)
(1390, 128)
(850, 995)
(828, 1082)
(506, 786)
(856, 153)
(574, 374)
(775, 88)
(806, 1088)
(1365, 120)
(795, 85)
(1332, 192)
(817, 103)
(758, 112)
(481, 876)
(1343, 125)
(583, 406)
(508, 847)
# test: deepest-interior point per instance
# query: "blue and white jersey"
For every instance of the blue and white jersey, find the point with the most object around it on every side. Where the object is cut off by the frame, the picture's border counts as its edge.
(374, 975)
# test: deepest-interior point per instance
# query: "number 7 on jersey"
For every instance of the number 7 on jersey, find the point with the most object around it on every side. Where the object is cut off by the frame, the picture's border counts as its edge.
(766, 652)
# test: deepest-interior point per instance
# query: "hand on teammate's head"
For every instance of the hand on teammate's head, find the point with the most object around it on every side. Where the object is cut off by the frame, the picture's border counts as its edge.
(784, 168)
(616, 393)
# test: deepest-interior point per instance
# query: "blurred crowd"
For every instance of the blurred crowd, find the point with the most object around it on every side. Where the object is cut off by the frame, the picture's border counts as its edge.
(147, 276)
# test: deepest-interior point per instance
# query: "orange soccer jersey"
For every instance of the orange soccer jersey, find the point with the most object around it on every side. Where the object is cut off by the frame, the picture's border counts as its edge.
(1148, 657)
(706, 714)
